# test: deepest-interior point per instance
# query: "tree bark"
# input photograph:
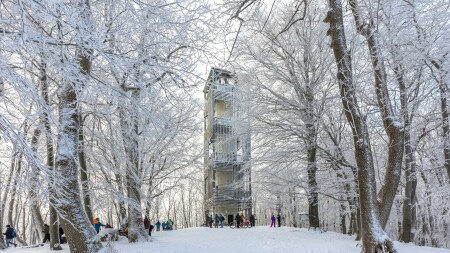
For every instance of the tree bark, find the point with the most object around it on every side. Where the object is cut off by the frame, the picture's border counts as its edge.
(5, 195)
(54, 228)
(66, 195)
(133, 177)
(34, 188)
(86, 68)
(374, 238)
(444, 92)
(13, 195)
(393, 127)
(81, 235)
(410, 161)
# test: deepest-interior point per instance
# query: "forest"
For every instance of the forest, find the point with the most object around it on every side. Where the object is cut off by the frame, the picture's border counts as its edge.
(102, 115)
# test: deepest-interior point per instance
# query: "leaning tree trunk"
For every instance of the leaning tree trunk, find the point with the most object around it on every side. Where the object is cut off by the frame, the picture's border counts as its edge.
(81, 235)
(54, 228)
(374, 237)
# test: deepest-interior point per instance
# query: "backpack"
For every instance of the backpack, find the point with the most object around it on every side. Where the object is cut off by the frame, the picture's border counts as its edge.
(13, 234)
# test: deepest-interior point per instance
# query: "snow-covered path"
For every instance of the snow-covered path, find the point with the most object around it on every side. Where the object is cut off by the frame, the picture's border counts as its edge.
(253, 240)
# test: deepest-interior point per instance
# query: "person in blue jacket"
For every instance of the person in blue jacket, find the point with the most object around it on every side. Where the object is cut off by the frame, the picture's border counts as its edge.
(10, 234)
(158, 225)
(98, 225)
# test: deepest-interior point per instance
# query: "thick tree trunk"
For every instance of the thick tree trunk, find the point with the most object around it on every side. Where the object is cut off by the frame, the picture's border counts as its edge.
(66, 195)
(81, 235)
(374, 238)
(133, 177)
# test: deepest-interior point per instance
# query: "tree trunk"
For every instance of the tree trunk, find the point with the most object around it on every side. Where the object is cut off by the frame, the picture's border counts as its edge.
(13, 195)
(443, 90)
(342, 213)
(393, 127)
(410, 162)
(312, 187)
(133, 177)
(66, 195)
(374, 238)
(34, 187)
(85, 191)
(81, 235)
(5, 195)
(54, 229)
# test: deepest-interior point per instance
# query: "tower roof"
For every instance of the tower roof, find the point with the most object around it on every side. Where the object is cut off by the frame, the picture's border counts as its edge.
(214, 73)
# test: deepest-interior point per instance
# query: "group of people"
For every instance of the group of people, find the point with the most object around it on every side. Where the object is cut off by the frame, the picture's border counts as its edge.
(274, 220)
(123, 230)
(240, 219)
(165, 225)
(10, 234)
(46, 232)
(217, 220)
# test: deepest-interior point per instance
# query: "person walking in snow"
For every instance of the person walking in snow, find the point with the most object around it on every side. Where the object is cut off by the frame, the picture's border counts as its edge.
(279, 220)
(216, 221)
(61, 233)
(46, 232)
(158, 225)
(273, 219)
(147, 225)
(98, 225)
(221, 220)
(238, 220)
(146, 222)
(10, 234)
(169, 224)
(252, 220)
(210, 221)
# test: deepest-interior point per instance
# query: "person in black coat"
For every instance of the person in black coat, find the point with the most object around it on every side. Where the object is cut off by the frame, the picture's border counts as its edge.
(238, 220)
(279, 220)
(46, 232)
(210, 221)
(252, 220)
(61, 232)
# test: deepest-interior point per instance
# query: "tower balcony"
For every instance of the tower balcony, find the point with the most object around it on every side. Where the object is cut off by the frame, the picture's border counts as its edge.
(225, 195)
(226, 160)
(223, 92)
(230, 194)
(222, 122)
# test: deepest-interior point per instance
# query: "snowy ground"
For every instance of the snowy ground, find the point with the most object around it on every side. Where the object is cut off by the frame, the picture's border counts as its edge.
(249, 240)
